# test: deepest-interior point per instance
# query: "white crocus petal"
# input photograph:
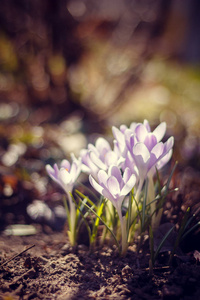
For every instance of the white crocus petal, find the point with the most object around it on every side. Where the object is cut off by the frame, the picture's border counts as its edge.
(146, 124)
(85, 169)
(123, 128)
(102, 145)
(95, 185)
(160, 130)
(65, 176)
(115, 171)
(111, 158)
(150, 141)
(119, 136)
(133, 126)
(164, 160)
(50, 171)
(98, 162)
(169, 144)
(141, 132)
(88, 166)
(156, 154)
(92, 148)
(126, 175)
(158, 150)
(128, 185)
(65, 164)
(73, 170)
(141, 153)
(53, 172)
(102, 178)
(141, 157)
(113, 186)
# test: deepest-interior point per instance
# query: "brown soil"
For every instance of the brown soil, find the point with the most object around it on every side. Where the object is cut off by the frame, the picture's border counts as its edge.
(52, 270)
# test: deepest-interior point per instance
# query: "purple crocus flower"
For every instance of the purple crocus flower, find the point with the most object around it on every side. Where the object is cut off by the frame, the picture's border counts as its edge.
(113, 186)
(142, 148)
(66, 177)
(98, 157)
(67, 174)
(146, 159)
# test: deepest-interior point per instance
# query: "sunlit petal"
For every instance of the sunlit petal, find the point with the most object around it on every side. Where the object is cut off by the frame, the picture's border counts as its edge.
(141, 132)
(95, 185)
(113, 186)
(160, 130)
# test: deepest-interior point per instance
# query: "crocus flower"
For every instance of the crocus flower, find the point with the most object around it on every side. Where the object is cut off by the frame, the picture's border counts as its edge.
(143, 148)
(149, 155)
(67, 174)
(113, 186)
(98, 157)
(66, 177)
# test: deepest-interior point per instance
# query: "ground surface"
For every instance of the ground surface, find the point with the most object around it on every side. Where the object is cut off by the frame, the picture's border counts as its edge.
(51, 270)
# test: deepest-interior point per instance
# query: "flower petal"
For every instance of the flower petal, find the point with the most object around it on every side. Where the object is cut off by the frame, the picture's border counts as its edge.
(158, 150)
(128, 186)
(53, 172)
(163, 161)
(102, 178)
(133, 126)
(146, 124)
(65, 176)
(119, 136)
(169, 144)
(65, 164)
(98, 162)
(115, 171)
(141, 132)
(150, 141)
(113, 186)
(102, 145)
(126, 175)
(160, 130)
(141, 154)
(95, 185)
(111, 158)
(156, 154)
(50, 170)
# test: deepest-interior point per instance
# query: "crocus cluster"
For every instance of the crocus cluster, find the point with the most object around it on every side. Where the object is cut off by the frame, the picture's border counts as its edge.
(113, 172)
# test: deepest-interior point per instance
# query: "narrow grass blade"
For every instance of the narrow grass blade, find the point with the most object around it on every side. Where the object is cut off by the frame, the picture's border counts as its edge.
(96, 223)
(103, 223)
(82, 196)
(144, 203)
(162, 242)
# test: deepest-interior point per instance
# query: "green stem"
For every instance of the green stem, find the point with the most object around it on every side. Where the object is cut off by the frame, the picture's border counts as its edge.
(72, 221)
(137, 196)
(123, 234)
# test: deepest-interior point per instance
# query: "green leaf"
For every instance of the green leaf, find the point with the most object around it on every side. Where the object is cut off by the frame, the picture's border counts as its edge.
(96, 224)
(82, 196)
(83, 218)
(162, 242)
(103, 223)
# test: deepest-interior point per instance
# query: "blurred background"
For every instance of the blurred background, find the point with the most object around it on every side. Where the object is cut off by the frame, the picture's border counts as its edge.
(70, 69)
